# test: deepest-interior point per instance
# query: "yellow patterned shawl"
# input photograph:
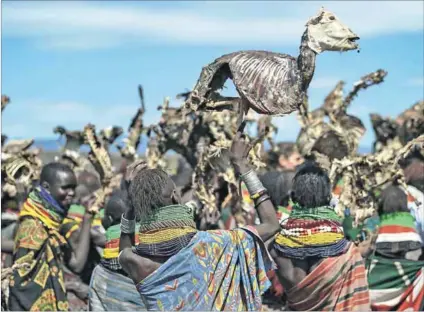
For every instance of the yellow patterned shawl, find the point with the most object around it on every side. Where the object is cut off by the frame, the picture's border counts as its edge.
(41, 286)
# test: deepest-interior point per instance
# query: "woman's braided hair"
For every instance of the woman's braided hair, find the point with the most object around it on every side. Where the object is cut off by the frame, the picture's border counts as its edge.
(145, 190)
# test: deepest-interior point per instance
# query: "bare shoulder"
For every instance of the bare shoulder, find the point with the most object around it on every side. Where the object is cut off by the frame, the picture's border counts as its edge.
(127, 258)
(282, 262)
(289, 271)
(137, 267)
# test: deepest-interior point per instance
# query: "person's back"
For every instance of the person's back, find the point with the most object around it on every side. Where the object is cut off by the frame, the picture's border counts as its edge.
(395, 275)
(317, 266)
(176, 267)
(414, 177)
(110, 288)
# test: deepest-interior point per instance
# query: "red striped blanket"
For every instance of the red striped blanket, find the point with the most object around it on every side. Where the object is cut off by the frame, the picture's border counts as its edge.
(396, 284)
(398, 227)
(336, 284)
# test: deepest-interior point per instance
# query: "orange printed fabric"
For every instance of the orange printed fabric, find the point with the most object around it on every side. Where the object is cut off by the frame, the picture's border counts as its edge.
(337, 284)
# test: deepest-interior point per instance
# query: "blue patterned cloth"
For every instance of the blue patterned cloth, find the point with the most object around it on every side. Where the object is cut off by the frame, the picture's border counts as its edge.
(218, 270)
(112, 291)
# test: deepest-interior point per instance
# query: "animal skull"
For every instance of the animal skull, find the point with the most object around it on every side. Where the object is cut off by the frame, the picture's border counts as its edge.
(327, 33)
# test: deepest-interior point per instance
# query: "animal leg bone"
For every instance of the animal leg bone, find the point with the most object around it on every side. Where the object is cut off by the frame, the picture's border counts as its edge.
(243, 109)
(223, 103)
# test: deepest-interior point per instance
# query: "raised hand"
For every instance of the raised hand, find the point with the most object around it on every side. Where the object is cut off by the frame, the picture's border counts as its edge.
(239, 151)
(88, 202)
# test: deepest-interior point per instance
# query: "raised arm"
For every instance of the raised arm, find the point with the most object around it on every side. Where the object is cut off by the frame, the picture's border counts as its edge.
(238, 153)
(98, 238)
(80, 240)
(80, 244)
(130, 262)
(127, 239)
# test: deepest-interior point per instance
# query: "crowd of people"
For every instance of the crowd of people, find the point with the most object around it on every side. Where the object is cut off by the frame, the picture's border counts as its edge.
(313, 225)
(239, 222)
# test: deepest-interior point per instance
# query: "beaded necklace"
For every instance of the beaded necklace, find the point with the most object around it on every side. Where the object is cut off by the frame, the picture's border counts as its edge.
(311, 232)
(42, 206)
(166, 231)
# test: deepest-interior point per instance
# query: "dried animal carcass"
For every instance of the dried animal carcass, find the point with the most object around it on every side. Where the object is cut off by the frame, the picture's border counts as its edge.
(4, 101)
(386, 133)
(156, 148)
(100, 159)
(74, 139)
(335, 104)
(362, 175)
(266, 128)
(365, 82)
(178, 132)
(110, 134)
(20, 164)
(348, 128)
(273, 83)
(5, 281)
(135, 130)
(411, 123)
(74, 160)
(416, 110)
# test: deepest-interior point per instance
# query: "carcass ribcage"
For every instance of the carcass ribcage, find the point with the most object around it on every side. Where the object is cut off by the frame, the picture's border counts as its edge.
(269, 81)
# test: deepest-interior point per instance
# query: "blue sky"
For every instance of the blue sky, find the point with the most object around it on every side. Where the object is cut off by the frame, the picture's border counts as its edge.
(71, 63)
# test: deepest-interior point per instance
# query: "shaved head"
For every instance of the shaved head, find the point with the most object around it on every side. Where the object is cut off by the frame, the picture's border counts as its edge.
(90, 179)
(60, 181)
(114, 208)
(50, 172)
(393, 199)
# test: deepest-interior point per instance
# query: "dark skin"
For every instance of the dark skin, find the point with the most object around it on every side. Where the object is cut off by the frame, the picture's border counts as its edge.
(61, 187)
(239, 151)
(97, 237)
(291, 272)
(113, 213)
(138, 268)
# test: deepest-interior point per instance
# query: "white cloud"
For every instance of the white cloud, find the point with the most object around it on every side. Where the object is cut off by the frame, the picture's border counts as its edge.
(101, 25)
(416, 82)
